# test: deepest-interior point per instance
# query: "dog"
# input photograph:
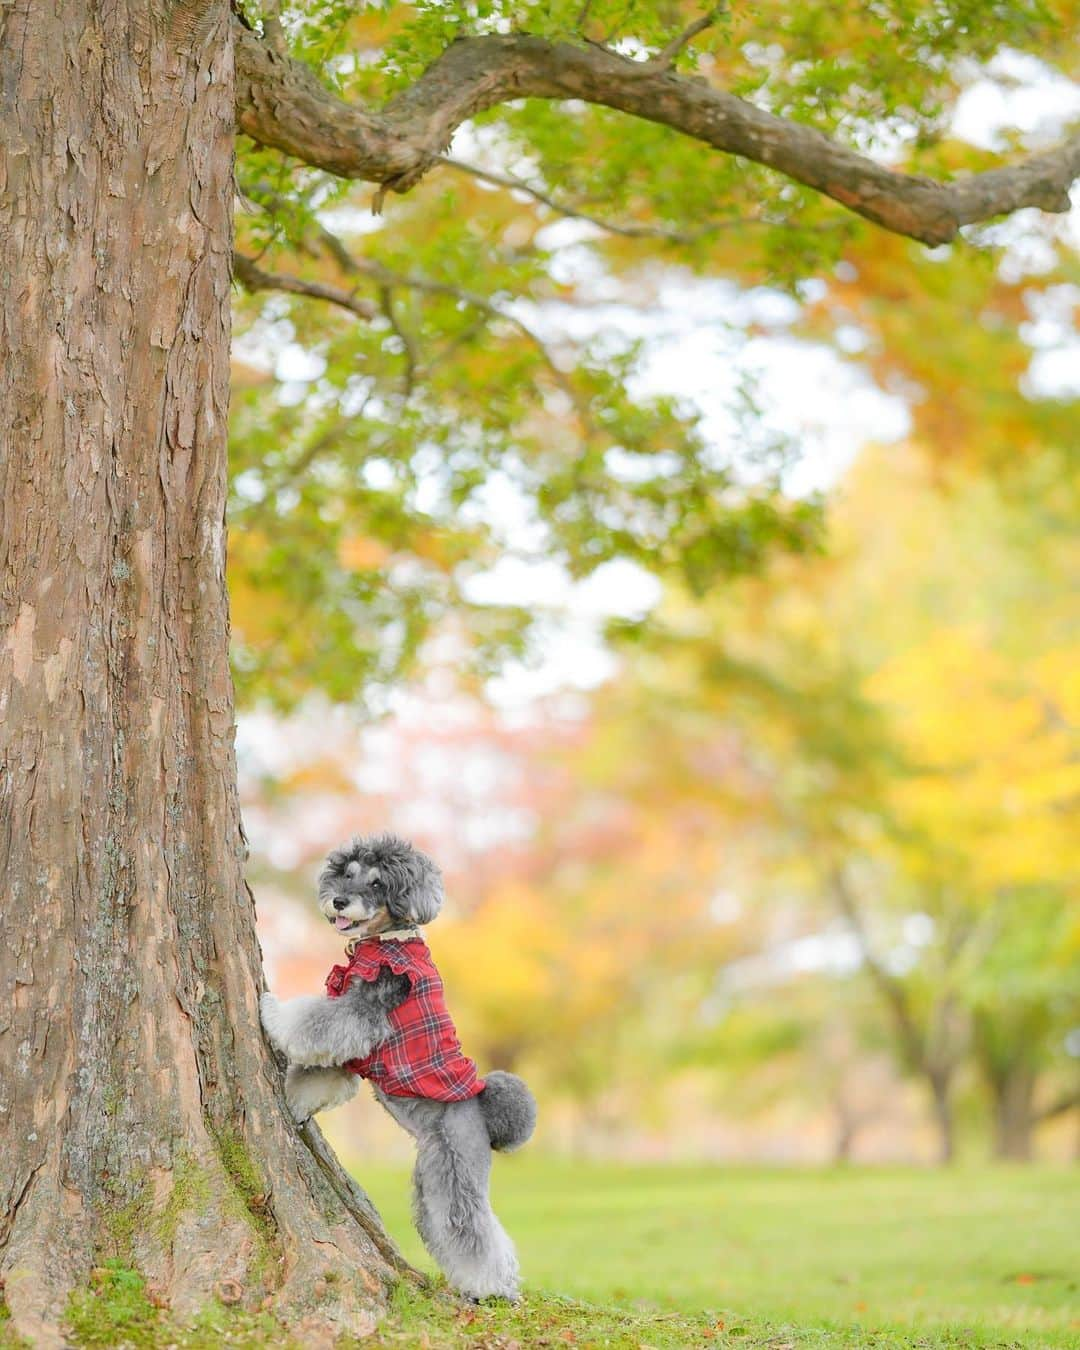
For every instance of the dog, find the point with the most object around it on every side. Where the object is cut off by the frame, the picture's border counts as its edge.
(384, 1018)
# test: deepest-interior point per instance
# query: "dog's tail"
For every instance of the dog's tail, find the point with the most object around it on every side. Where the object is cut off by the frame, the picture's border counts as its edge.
(509, 1110)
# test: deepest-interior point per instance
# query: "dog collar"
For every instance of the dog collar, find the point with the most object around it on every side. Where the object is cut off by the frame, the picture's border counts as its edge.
(394, 935)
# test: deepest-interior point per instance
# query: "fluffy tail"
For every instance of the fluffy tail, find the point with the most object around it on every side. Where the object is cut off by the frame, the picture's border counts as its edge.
(509, 1110)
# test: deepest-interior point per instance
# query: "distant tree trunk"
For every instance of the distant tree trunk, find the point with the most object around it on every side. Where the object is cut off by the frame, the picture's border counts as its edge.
(1013, 1093)
(931, 1048)
(1007, 1052)
(843, 1147)
(141, 1114)
(942, 1112)
(848, 1120)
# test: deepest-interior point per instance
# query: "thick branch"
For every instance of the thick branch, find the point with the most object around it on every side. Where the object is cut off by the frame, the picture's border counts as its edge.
(253, 278)
(281, 103)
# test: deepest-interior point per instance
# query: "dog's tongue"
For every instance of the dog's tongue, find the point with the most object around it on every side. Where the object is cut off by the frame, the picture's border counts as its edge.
(341, 923)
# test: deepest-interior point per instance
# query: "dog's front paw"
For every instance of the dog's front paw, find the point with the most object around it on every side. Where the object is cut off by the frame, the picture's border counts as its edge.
(271, 1016)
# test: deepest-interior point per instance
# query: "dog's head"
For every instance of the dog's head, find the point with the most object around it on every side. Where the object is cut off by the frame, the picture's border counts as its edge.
(371, 885)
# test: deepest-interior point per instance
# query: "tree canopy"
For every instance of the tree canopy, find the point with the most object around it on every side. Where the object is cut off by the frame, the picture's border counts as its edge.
(458, 225)
(456, 378)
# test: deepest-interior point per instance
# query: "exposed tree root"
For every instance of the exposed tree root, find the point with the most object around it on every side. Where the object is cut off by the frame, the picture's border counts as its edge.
(206, 1230)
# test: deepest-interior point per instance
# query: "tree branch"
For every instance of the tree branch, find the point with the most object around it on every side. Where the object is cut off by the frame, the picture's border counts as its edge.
(304, 460)
(273, 33)
(665, 58)
(891, 989)
(280, 103)
(253, 278)
(408, 346)
(385, 278)
(1070, 1102)
(626, 229)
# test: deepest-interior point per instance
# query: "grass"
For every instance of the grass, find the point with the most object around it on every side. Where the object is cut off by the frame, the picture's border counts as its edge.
(664, 1258)
(676, 1256)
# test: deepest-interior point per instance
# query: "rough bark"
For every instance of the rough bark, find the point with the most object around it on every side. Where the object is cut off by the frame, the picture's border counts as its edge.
(281, 103)
(141, 1113)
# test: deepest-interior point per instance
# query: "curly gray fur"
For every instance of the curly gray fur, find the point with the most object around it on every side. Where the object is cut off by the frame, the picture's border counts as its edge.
(509, 1110)
(311, 1090)
(367, 887)
(383, 871)
(316, 1031)
(451, 1208)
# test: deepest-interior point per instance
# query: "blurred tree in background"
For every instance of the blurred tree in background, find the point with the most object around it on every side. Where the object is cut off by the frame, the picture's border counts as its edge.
(908, 705)
(809, 825)
(819, 830)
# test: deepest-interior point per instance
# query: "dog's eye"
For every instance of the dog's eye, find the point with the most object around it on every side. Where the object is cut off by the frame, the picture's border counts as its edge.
(376, 883)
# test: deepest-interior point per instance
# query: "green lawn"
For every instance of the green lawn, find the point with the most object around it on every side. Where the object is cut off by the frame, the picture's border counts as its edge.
(709, 1255)
(662, 1258)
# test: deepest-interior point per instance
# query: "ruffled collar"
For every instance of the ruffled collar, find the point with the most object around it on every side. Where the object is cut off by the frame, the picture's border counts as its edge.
(395, 935)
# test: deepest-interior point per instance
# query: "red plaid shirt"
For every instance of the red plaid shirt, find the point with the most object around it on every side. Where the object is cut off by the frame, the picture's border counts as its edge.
(423, 1056)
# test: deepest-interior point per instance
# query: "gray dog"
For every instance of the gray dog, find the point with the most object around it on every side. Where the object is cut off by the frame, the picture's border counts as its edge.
(384, 1017)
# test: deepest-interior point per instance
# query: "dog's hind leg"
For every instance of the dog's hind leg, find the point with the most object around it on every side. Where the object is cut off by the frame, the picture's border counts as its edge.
(451, 1206)
(310, 1090)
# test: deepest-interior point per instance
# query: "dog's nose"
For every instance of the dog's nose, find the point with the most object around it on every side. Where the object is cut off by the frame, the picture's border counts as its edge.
(340, 901)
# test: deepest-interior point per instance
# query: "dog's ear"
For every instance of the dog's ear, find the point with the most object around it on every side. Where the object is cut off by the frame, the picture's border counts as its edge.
(420, 899)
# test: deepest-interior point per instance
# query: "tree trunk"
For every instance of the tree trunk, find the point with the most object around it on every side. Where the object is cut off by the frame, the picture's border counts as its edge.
(1013, 1092)
(141, 1113)
(941, 1101)
(1007, 1049)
